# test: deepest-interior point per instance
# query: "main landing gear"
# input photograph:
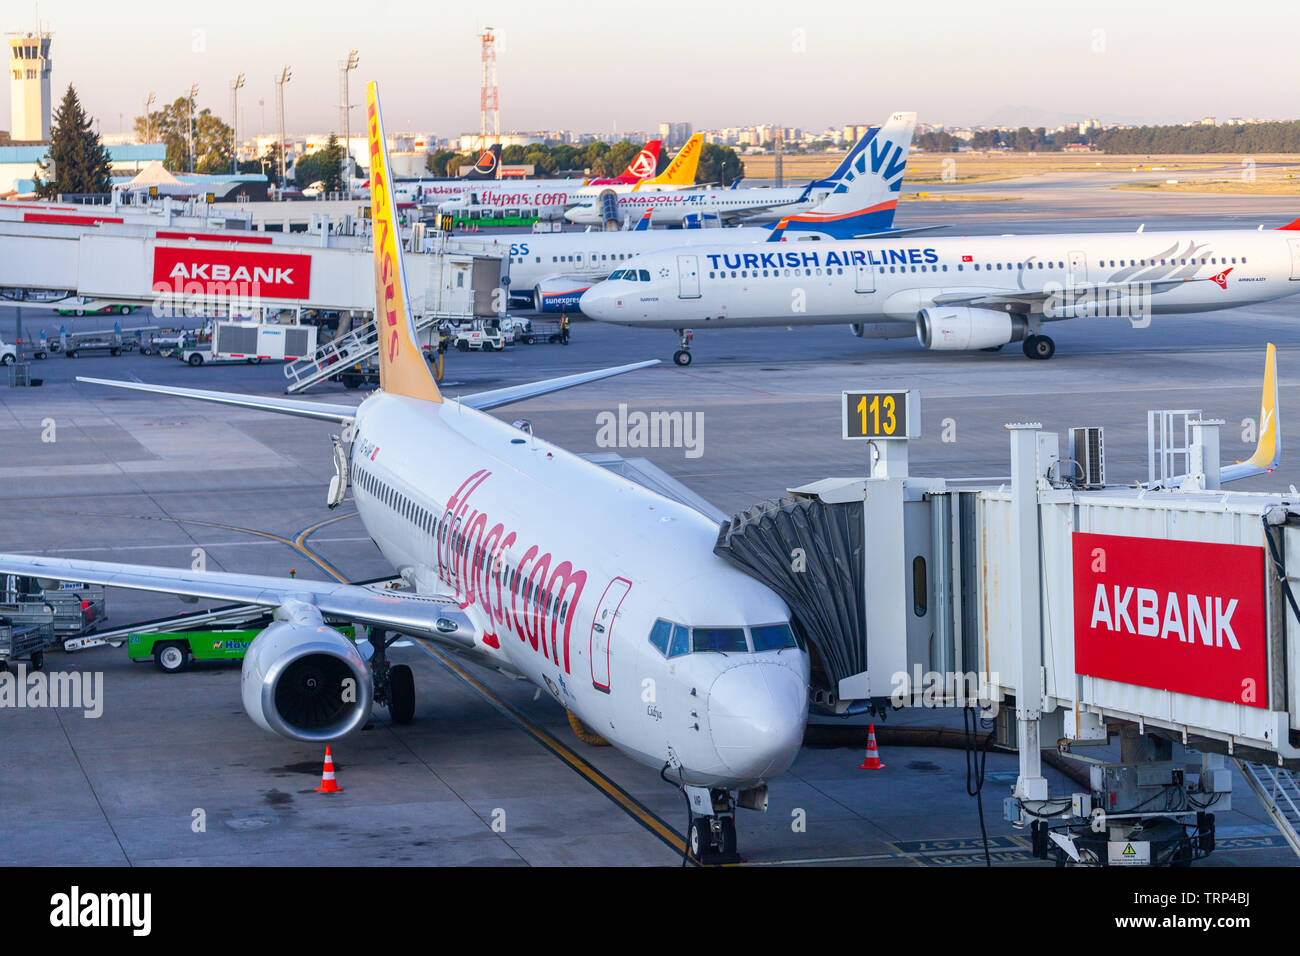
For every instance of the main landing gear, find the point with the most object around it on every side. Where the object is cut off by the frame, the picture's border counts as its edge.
(683, 355)
(1039, 347)
(394, 683)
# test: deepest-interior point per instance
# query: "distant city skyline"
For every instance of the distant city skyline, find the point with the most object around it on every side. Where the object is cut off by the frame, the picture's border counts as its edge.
(595, 68)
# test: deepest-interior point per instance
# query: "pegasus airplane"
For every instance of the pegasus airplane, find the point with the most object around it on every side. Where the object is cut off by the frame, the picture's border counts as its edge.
(886, 154)
(550, 272)
(523, 557)
(973, 292)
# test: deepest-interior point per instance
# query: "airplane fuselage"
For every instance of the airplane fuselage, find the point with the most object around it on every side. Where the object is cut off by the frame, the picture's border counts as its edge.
(462, 503)
(884, 281)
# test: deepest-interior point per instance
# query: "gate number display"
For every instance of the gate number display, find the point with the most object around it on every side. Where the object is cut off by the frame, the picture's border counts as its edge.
(874, 415)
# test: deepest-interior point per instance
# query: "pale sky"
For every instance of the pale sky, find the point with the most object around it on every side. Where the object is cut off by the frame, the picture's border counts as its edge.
(592, 67)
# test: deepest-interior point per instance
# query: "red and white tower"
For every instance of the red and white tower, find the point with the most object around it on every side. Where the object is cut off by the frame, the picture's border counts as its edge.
(488, 102)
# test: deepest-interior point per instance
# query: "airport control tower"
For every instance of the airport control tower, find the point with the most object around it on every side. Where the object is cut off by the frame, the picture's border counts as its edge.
(29, 84)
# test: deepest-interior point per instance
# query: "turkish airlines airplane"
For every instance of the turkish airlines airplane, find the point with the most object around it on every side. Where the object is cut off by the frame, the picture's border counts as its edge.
(973, 292)
(550, 272)
(727, 206)
(548, 198)
(523, 557)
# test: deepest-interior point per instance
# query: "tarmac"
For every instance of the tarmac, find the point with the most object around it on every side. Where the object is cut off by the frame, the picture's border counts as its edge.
(489, 772)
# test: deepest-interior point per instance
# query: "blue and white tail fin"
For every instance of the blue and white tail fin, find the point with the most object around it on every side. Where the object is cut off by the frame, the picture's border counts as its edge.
(644, 223)
(864, 197)
(833, 180)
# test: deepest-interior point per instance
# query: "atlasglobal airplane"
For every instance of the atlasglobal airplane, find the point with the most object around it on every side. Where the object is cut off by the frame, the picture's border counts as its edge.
(979, 292)
(727, 206)
(523, 557)
(548, 198)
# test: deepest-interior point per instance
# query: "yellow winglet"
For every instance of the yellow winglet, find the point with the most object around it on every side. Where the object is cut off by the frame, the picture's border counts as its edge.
(681, 171)
(402, 368)
(1268, 450)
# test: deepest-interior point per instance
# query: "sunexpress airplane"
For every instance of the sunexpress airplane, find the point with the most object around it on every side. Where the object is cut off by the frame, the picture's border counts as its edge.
(550, 272)
(973, 292)
(521, 557)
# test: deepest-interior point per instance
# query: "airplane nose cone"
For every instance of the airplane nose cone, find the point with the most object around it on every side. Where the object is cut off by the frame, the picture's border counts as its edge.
(595, 303)
(757, 714)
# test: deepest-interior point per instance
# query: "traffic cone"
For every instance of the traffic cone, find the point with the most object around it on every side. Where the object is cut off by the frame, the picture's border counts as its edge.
(327, 781)
(870, 762)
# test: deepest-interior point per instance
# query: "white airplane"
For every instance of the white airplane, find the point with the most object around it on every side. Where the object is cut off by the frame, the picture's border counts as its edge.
(973, 292)
(548, 198)
(550, 272)
(523, 557)
(727, 206)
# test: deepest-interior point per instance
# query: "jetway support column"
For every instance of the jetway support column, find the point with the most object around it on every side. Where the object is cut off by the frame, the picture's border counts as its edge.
(1027, 637)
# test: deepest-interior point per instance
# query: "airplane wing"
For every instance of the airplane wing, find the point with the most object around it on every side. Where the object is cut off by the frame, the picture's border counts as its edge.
(517, 393)
(421, 615)
(323, 411)
(908, 231)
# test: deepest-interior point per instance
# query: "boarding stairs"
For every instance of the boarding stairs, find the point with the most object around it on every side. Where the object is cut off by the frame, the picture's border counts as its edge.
(351, 347)
(1279, 791)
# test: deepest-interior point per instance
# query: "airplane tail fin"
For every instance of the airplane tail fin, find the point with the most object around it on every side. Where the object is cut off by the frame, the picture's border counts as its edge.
(681, 171)
(488, 165)
(865, 196)
(1293, 224)
(644, 164)
(1268, 449)
(402, 368)
(833, 180)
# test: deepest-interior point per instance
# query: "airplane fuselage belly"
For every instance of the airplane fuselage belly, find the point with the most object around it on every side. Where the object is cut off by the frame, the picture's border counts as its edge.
(465, 505)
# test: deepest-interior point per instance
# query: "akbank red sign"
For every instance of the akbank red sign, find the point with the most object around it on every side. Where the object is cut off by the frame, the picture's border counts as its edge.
(1182, 616)
(225, 272)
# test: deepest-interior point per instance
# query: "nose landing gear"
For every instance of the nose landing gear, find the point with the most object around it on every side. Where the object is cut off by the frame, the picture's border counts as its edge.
(683, 355)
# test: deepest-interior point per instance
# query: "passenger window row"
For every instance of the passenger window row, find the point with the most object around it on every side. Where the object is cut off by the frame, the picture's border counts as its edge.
(528, 589)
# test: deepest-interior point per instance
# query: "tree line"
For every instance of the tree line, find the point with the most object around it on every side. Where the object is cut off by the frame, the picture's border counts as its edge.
(603, 160)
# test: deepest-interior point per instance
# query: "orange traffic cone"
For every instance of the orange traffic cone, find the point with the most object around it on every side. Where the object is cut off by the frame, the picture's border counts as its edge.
(327, 781)
(870, 762)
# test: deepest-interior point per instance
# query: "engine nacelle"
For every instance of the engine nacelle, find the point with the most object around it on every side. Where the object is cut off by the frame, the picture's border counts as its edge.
(953, 328)
(559, 295)
(306, 682)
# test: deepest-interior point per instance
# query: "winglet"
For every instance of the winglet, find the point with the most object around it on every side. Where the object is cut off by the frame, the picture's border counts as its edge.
(1268, 450)
(402, 368)
(778, 231)
(681, 171)
(644, 222)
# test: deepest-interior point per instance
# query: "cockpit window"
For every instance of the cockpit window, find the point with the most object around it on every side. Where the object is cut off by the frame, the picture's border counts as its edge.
(726, 639)
(771, 637)
(659, 635)
(616, 274)
(681, 642)
(644, 275)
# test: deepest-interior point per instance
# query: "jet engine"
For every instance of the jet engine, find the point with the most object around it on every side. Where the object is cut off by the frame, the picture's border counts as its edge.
(559, 295)
(306, 682)
(954, 328)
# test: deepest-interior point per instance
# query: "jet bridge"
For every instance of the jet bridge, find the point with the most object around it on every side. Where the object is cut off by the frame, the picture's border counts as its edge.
(1082, 613)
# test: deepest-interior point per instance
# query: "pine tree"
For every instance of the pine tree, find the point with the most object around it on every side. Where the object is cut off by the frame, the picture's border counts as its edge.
(80, 160)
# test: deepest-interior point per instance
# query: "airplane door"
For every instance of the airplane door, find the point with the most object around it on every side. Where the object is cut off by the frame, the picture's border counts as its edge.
(1295, 259)
(688, 277)
(1078, 268)
(602, 631)
(866, 278)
